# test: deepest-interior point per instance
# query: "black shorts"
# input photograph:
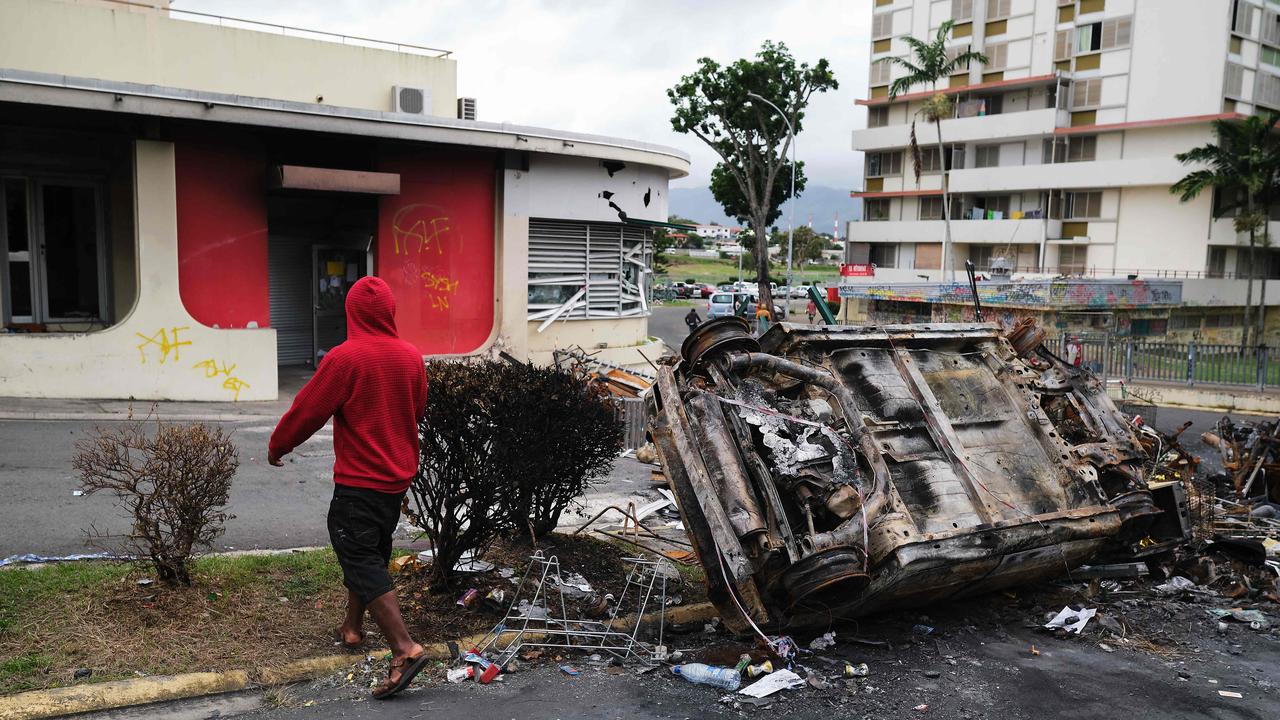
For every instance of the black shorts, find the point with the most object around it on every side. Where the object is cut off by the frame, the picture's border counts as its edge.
(361, 522)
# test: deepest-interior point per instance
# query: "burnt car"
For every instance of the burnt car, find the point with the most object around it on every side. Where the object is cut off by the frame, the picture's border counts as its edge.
(832, 471)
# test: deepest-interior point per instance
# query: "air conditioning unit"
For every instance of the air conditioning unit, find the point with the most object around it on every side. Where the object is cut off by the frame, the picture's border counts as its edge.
(415, 101)
(466, 108)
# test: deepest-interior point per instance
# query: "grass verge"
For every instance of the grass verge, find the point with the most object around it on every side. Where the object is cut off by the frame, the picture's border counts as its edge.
(716, 271)
(242, 611)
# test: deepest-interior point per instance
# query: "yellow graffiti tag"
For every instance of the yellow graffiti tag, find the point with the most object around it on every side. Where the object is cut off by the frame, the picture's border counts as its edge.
(165, 340)
(418, 235)
(212, 368)
(235, 385)
(439, 288)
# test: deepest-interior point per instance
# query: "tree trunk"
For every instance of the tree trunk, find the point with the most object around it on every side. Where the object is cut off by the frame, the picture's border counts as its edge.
(762, 267)
(1248, 291)
(1259, 337)
(946, 208)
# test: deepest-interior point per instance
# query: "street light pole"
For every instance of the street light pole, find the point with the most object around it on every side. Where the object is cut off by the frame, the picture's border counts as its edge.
(791, 212)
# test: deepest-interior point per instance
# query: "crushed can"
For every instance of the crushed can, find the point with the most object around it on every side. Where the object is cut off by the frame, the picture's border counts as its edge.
(743, 662)
(764, 668)
(859, 670)
(468, 598)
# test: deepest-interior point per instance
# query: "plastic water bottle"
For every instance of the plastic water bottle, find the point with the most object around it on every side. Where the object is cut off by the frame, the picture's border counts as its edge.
(721, 677)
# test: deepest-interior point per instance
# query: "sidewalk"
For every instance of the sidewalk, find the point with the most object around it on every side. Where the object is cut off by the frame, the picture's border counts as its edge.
(1217, 398)
(291, 381)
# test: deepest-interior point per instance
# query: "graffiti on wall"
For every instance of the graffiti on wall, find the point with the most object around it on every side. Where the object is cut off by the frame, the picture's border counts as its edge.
(440, 288)
(414, 231)
(215, 370)
(166, 344)
(1091, 294)
(163, 342)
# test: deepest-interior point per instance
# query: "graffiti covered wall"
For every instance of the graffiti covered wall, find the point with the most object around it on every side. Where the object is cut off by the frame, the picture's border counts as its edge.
(436, 248)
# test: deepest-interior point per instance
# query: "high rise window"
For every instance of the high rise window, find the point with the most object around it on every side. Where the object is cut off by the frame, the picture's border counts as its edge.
(875, 209)
(1082, 149)
(1083, 205)
(878, 116)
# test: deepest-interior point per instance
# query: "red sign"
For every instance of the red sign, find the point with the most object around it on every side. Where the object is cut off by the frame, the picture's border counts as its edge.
(858, 270)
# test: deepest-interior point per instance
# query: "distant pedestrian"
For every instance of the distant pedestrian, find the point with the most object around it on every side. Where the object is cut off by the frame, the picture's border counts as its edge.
(692, 319)
(374, 386)
(812, 310)
(763, 316)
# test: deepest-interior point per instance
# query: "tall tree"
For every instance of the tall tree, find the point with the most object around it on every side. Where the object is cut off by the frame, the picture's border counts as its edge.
(929, 64)
(714, 104)
(1243, 167)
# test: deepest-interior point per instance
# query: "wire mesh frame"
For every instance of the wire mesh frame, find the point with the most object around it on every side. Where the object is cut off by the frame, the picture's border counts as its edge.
(526, 631)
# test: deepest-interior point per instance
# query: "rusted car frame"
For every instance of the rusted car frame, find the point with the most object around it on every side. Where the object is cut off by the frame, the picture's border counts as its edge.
(832, 471)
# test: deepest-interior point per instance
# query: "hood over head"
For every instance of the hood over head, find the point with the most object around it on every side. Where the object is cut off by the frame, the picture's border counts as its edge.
(371, 308)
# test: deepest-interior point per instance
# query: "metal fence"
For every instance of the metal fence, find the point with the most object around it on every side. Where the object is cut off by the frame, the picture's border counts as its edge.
(1189, 363)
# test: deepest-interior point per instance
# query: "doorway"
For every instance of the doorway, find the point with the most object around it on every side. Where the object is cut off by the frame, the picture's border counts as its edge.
(317, 247)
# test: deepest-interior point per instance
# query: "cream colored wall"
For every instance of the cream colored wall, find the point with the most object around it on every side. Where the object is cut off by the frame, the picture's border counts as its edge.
(98, 41)
(588, 334)
(1158, 232)
(158, 351)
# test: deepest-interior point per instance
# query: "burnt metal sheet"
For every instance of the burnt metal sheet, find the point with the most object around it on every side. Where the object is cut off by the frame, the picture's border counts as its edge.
(827, 470)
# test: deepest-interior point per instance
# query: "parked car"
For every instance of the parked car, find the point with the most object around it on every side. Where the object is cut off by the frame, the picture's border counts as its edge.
(721, 304)
(725, 304)
(799, 291)
(707, 291)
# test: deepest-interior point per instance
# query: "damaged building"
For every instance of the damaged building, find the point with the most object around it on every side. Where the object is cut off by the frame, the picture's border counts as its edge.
(832, 471)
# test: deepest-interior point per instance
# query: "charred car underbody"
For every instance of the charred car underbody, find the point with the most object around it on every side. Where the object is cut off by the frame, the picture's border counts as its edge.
(833, 471)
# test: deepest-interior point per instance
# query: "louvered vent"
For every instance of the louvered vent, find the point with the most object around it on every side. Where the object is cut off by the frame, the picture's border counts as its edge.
(466, 108)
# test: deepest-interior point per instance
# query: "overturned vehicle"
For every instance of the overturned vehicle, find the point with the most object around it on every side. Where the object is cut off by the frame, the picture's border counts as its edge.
(834, 471)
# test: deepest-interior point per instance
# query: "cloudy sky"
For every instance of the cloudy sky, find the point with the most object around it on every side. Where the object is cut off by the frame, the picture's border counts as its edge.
(604, 66)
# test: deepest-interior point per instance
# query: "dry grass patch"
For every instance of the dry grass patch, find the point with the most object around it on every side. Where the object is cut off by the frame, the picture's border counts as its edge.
(246, 611)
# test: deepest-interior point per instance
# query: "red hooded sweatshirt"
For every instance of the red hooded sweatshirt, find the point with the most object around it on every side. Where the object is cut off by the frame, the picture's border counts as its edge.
(374, 386)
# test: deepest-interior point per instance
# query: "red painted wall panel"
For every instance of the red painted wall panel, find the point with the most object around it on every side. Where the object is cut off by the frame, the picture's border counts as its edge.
(436, 247)
(222, 229)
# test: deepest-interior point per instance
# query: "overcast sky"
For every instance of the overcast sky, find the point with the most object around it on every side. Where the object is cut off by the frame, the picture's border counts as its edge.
(604, 66)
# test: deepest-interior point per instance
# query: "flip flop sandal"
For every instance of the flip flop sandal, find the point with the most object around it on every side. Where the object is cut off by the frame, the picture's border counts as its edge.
(412, 666)
(337, 638)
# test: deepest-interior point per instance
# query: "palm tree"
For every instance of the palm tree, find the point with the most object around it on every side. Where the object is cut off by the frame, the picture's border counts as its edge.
(928, 65)
(1244, 168)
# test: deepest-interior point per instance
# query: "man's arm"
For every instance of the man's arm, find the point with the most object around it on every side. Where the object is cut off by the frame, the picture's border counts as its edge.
(318, 400)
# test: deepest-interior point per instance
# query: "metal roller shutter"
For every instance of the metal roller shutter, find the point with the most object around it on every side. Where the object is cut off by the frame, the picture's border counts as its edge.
(289, 272)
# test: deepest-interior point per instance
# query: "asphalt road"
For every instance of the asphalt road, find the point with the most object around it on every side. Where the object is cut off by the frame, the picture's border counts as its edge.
(274, 507)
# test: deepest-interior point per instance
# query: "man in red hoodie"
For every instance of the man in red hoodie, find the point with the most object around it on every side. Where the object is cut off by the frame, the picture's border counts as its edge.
(374, 386)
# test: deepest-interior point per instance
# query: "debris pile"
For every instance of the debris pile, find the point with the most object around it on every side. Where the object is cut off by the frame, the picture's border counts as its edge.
(1248, 502)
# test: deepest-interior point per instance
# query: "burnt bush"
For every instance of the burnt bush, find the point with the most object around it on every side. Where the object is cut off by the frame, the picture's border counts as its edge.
(505, 448)
(565, 436)
(173, 483)
(459, 481)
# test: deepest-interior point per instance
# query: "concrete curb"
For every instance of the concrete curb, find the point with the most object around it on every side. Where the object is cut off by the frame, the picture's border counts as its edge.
(117, 417)
(141, 691)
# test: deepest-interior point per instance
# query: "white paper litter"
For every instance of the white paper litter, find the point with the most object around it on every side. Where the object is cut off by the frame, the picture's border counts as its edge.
(772, 683)
(828, 640)
(1175, 585)
(1079, 618)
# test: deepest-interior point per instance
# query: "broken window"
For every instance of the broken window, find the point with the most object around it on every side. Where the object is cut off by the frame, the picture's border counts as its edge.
(587, 270)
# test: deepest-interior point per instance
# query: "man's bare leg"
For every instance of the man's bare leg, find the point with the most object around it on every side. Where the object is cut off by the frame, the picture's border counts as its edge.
(351, 631)
(407, 657)
(385, 610)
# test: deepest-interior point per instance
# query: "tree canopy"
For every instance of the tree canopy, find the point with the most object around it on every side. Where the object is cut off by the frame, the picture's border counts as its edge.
(715, 103)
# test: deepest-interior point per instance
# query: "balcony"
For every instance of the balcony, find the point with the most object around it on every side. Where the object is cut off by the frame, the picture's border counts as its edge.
(971, 232)
(1222, 232)
(1029, 123)
(1135, 172)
